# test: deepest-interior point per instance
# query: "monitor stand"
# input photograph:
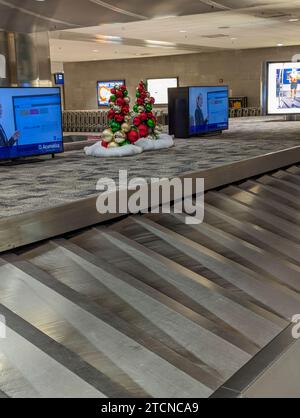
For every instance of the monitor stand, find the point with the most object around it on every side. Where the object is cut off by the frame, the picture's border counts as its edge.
(208, 134)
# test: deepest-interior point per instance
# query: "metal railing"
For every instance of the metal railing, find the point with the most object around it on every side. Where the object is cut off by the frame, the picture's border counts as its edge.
(97, 121)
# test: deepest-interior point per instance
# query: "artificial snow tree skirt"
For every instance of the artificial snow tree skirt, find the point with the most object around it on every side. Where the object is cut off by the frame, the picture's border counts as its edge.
(164, 141)
(97, 150)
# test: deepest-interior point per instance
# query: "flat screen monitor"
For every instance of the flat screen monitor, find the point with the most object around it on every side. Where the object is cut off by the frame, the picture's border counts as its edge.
(158, 88)
(283, 88)
(104, 90)
(59, 79)
(30, 122)
(208, 109)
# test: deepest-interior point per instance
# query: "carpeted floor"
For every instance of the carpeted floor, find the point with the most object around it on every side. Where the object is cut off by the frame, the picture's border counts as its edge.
(72, 176)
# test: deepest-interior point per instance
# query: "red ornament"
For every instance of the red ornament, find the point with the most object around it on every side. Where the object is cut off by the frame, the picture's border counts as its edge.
(133, 136)
(152, 100)
(150, 115)
(137, 121)
(125, 109)
(104, 144)
(119, 94)
(120, 102)
(140, 89)
(123, 87)
(144, 131)
(144, 116)
(113, 91)
(140, 101)
(119, 118)
(111, 114)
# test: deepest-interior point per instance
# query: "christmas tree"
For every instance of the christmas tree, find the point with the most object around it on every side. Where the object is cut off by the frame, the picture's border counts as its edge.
(120, 132)
(144, 120)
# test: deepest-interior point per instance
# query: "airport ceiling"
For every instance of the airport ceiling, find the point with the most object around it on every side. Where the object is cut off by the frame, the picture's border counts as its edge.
(83, 30)
(33, 15)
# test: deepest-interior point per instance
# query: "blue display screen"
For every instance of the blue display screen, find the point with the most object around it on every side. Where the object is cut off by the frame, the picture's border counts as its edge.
(59, 79)
(208, 107)
(30, 122)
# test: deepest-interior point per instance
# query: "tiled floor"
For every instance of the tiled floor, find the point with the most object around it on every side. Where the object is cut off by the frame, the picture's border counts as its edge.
(73, 176)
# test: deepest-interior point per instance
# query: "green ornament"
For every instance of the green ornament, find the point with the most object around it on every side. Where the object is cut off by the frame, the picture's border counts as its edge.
(125, 143)
(138, 94)
(148, 107)
(115, 126)
(125, 93)
(113, 98)
(136, 108)
(151, 123)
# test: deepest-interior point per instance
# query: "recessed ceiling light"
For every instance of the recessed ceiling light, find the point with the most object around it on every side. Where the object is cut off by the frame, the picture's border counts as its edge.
(183, 31)
(294, 20)
(95, 50)
(109, 39)
(279, 44)
(151, 42)
(164, 17)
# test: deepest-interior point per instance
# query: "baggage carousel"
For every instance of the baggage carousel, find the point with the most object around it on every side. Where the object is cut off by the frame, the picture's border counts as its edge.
(147, 306)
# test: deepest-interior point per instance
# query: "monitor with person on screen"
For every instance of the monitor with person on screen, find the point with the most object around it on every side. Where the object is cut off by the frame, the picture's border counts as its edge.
(30, 122)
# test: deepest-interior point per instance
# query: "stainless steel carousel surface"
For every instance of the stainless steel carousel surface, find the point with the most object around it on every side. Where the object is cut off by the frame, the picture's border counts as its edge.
(147, 306)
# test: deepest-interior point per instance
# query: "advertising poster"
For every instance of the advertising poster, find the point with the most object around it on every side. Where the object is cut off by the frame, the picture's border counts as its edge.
(104, 90)
(283, 88)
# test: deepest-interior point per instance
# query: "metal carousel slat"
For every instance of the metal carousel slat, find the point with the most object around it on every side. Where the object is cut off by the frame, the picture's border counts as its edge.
(135, 307)
(254, 234)
(280, 183)
(125, 354)
(294, 170)
(215, 299)
(263, 203)
(284, 302)
(171, 283)
(255, 258)
(288, 177)
(270, 192)
(263, 218)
